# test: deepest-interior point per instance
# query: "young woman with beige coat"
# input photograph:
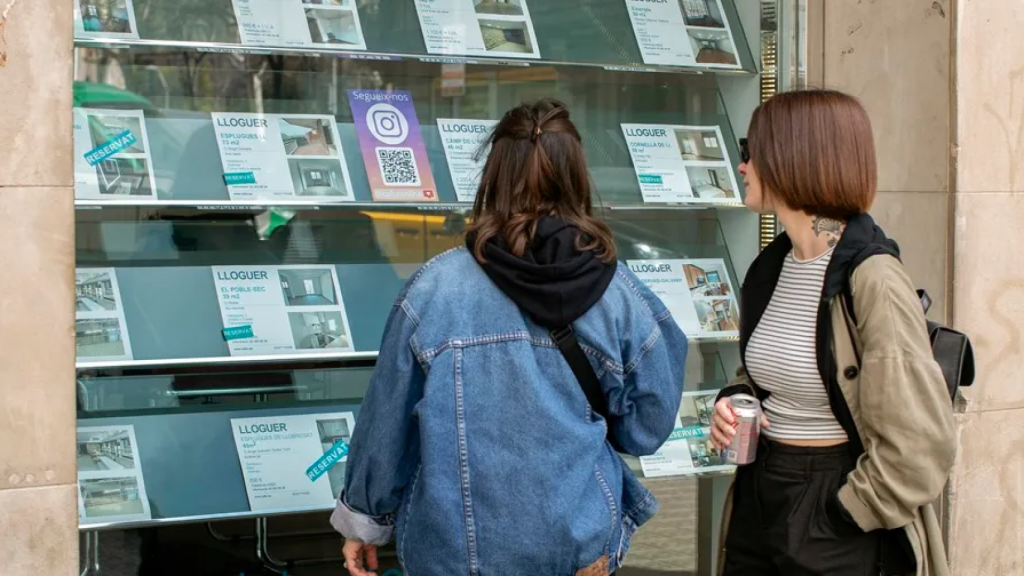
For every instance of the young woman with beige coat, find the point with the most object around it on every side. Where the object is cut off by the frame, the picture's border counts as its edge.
(858, 437)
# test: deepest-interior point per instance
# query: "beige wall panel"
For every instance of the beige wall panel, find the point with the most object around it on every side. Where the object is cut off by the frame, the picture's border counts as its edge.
(37, 382)
(987, 489)
(35, 93)
(918, 222)
(39, 535)
(894, 56)
(989, 296)
(990, 71)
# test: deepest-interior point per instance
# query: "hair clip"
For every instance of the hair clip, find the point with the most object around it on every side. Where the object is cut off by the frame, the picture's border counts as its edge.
(536, 132)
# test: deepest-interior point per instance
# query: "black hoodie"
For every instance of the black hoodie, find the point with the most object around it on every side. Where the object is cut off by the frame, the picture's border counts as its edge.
(553, 282)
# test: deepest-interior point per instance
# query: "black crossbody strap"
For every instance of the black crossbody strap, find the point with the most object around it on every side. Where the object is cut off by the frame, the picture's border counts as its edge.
(565, 339)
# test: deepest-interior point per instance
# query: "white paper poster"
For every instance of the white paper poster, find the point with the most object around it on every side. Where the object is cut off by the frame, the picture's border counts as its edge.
(105, 19)
(112, 155)
(683, 33)
(282, 157)
(688, 449)
(326, 24)
(494, 28)
(462, 140)
(293, 462)
(272, 310)
(100, 330)
(681, 164)
(110, 485)
(698, 293)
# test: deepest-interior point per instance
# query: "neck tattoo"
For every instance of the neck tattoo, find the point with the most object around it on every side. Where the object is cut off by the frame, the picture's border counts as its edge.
(829, 228)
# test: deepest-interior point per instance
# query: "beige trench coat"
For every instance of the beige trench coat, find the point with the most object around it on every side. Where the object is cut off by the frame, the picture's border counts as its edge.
(901, 408)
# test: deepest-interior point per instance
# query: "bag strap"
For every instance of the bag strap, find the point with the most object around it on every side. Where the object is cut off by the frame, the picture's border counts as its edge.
(569, 346)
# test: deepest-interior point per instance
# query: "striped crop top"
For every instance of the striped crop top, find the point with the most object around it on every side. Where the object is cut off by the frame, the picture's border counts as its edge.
(781, 356)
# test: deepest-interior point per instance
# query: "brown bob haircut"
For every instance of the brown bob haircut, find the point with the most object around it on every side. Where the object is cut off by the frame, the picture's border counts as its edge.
(536, 167)
(814, 151)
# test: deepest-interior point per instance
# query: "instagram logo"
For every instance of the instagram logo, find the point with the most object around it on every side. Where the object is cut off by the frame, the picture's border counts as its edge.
(387, 124)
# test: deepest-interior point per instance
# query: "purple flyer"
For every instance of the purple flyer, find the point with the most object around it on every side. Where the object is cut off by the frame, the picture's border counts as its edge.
(392, 146)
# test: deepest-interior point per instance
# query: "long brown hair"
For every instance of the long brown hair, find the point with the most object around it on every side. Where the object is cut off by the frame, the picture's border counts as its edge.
(535, 168)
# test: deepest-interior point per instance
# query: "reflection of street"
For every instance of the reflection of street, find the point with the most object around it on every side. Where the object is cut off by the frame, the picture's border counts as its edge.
(111, 497)
(98, 338)
(86, 304)
(499, 7)
(98, 463)
(112, 506)
(313, 149)
(306, 137)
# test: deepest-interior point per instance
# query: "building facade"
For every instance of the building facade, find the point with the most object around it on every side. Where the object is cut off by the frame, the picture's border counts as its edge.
(942, 81)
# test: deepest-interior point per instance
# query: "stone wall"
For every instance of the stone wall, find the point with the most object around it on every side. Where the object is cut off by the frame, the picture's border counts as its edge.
(38, 502)
(944, 83)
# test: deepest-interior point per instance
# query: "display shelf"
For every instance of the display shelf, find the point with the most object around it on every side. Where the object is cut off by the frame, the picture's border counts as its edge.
(181, 431)
(463, 207)
(625, 34)
(274, 359)
(190, 447)
(160, 212)
(184, 156)
(151, 288)
(225, 48)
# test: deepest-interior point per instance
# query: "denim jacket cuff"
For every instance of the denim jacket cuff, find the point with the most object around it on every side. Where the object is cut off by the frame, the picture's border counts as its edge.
(373, 530)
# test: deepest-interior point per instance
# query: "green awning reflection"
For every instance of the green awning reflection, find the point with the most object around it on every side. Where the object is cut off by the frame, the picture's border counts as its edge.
(95, 94)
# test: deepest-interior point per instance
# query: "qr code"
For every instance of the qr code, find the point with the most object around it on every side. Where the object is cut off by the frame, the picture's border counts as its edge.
(398, 166)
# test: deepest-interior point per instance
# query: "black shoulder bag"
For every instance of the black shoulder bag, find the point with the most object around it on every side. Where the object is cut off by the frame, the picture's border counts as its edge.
(565, 339)
(951, 348)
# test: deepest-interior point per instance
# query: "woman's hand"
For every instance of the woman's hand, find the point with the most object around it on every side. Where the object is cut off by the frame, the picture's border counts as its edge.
(723, 424)
(354, 551)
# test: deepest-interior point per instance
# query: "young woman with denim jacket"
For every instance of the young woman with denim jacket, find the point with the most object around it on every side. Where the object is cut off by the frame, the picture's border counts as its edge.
(860, 438)
(475, 447)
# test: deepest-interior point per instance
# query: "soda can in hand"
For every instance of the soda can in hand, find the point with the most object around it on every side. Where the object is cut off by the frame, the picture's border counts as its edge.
(743, 448)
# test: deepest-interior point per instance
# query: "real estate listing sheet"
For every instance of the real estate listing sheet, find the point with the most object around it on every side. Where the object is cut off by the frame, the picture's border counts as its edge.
(295, 157)
(101, 333)
(688, 449)
(683, 33)
(491, 28)
(697, 292)
(688, 164)
(112, 155)
(282, 310)
(110, 483)
(463, 142)
(293, 462)
(322, 24)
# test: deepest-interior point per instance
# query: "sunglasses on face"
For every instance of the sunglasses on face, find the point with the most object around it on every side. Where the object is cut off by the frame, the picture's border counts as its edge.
(744, 151)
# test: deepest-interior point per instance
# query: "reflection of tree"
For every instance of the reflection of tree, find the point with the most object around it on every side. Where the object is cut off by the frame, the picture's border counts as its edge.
(187, 20)
(190, 21)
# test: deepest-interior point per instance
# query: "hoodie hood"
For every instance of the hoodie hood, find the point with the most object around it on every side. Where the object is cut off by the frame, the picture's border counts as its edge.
(553, 282)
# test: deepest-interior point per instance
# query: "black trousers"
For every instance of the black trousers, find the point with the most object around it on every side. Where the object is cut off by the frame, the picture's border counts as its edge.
(781, 525)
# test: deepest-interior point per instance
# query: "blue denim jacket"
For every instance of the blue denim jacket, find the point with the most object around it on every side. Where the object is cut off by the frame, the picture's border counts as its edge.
(475, 447)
